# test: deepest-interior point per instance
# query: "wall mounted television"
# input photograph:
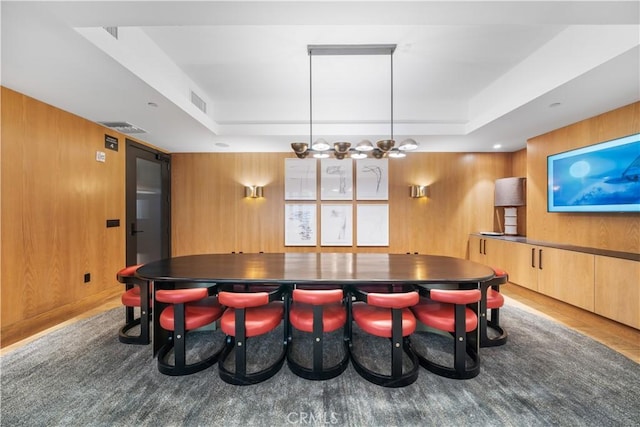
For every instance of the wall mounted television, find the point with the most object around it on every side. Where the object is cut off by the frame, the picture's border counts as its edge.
(603, 177)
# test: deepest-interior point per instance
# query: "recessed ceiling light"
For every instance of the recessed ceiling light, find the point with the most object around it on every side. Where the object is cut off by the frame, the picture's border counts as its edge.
(555, 104)
(152, 104)
(221, 144)
(496, 146)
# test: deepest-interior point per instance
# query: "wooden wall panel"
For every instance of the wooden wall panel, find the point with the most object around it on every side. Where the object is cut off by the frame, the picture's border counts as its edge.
(518, 168)
(519, 163)
(56, 199)
(613, 231)
(210, 214)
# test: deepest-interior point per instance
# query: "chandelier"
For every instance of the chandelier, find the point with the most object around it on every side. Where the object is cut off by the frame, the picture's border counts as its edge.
(340, 150)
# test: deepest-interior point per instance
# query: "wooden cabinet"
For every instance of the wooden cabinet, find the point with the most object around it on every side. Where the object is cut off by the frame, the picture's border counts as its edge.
(602, 284)
(476, 249)
(617, 289)
(486, 251)
(567, 276)
(521, 265)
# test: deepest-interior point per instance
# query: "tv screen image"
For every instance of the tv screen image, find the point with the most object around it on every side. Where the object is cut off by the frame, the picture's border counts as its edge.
(604, 177)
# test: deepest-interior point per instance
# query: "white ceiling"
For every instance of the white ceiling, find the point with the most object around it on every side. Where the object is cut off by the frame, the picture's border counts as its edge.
(466, 75)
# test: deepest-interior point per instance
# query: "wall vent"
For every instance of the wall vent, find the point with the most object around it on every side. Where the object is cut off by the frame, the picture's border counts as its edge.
(198, 102)
(113, 31)
(123, 127)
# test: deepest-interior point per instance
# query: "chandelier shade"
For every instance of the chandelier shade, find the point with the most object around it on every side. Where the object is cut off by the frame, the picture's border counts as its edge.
(342, 149)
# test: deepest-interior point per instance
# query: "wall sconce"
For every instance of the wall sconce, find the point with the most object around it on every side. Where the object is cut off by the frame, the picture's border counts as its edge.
(254, 191)
(418, 191)
(509, 193)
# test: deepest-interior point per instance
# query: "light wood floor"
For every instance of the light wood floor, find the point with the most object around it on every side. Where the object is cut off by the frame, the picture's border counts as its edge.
(621, 338)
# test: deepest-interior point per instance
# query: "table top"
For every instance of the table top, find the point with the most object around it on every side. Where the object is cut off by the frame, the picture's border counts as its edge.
(321, 268)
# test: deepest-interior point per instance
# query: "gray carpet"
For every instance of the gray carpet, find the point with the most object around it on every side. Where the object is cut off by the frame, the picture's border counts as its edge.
(545, 375)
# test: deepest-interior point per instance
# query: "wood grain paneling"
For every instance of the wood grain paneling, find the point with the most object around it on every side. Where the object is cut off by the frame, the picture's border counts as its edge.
(519, 163)
(519, 168)
(617, 290)
(210, 214)
(614, 231)
(56, 199)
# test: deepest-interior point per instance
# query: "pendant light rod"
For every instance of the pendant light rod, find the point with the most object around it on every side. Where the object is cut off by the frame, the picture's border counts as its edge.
(310, 102)
(341, 149)
(391, 57)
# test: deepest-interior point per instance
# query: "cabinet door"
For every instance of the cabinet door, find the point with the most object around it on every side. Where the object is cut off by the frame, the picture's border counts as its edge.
(522, 264)
(495, 253)
(476, 246)
(567, 276)
(486, 251)
(617, 290)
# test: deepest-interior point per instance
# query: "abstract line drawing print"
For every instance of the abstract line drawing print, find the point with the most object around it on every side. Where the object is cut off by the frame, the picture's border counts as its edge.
(300, 179)
(336, 225)
(336, 180)
(377, 172)
(373, 225)
(300, 225)
(340, 172)
(372, 179)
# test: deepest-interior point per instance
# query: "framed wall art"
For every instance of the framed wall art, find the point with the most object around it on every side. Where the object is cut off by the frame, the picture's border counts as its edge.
(336, 225)
(300, 225)
(372, 225)
(372, 179)
(300, 179)
(336, 179)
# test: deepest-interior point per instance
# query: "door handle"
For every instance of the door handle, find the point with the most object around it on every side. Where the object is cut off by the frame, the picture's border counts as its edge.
(134, 230)
(540, 259)
(533, 257)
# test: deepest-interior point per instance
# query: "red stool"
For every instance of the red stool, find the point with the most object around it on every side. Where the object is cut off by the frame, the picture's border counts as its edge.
(189, 309)
(134, 287)
(446, 310)
(317, 311)
(386, 315)
(249, 314)
(492, 300)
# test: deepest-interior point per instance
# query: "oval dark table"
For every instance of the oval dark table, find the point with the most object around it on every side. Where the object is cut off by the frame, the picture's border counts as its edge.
(308, 269)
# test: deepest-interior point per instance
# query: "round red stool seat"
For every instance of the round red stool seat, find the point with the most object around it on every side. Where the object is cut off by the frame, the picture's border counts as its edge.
(131, 299)
(316, 311)
(441, 316)
(494, 299)
(186, 310)
(387, 315)
(378, 322)
(449, 311)
(258, 320)
(249, 314)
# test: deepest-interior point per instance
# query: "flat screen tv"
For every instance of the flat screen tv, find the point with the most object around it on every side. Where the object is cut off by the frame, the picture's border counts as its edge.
(604, 177)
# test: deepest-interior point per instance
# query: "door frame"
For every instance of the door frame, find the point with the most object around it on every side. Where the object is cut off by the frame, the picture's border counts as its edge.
(134, 151)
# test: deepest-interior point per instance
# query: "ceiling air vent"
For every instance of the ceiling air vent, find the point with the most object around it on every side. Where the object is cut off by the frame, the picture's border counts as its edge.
(198, 102)
(113, 31)
(123, 127)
